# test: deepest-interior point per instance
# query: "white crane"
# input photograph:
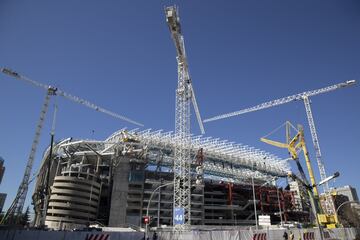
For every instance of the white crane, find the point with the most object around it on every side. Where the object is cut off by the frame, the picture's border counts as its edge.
(70, 97)
(18, 204)
(305, 97)
(184, 95)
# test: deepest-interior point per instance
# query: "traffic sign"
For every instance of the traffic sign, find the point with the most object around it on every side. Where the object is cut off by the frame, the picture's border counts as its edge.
(146, 219)
(179, 216)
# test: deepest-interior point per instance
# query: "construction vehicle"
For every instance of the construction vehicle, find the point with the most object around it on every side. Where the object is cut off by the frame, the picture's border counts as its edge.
(294, 145)
(305, 97)
(17, 205)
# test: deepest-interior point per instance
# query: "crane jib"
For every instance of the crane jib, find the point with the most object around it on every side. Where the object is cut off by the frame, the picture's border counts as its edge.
(10, 72)
(276, 102)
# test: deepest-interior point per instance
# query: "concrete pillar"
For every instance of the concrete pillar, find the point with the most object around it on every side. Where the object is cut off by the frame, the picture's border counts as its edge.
(119, 194)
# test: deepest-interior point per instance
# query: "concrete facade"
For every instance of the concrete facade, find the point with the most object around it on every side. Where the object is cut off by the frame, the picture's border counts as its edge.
(73, 201)
(348, 191)
(110, 183)
(119, 195)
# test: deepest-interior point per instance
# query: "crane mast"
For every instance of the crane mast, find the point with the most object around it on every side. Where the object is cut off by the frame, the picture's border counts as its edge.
(22, 191)
(329, 204)
(182, 164)
(185, 95)
(18, 204)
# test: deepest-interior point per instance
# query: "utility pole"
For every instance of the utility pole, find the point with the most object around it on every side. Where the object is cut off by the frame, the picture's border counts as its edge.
(254, 198)
(47, 183)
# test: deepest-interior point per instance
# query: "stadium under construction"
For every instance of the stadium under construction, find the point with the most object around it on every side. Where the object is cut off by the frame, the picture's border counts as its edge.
(151, 178)
(113, 182)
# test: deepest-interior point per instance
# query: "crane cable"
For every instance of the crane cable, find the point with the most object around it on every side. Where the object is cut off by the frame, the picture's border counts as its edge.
(279, 127)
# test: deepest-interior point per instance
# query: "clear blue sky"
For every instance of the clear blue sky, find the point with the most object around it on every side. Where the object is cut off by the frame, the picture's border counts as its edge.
(119, 54)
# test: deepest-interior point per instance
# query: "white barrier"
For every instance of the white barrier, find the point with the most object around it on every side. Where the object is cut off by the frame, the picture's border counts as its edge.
(64, 235)
(236, 234)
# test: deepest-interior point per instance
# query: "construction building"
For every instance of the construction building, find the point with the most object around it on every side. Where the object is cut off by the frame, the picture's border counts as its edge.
(117, 181)
(111, 182)
(348, 191)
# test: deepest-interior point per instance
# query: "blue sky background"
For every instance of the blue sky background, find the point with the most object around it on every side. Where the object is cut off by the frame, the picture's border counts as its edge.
(119, 55)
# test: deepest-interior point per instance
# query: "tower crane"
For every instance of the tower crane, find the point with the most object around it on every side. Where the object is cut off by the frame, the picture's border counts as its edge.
(184, 95)
(18, 204)
(304, 96)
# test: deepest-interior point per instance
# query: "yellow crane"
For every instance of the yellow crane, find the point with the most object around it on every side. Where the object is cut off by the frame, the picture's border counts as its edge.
(294, 146)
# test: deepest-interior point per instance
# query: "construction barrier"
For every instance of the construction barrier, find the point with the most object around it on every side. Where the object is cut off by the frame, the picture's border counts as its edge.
(259, 236)
(97, 236)
(67, 235)
(309, 236)
(199, 234)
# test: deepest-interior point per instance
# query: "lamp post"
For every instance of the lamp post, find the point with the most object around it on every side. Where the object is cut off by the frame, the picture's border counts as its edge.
(314, 206)
(147, 208)
(344, 203)
(347, 202)
(277, 191)
(280, 212)
(254, 197)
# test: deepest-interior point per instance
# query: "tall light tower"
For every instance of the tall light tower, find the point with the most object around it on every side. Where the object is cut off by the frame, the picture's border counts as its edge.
(184, 95)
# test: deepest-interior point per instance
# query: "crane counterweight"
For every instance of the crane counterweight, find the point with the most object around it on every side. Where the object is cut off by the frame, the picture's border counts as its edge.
(10, 72)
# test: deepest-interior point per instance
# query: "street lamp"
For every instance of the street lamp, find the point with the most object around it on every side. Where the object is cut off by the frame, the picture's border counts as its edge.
(344, 203)
(147, 208)
(281, 219)
(335, 175)
(312, 200)
(277, 191)
(347, 202)
(254, 197)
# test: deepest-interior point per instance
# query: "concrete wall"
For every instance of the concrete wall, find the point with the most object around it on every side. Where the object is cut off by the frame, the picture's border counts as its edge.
(119, 194)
